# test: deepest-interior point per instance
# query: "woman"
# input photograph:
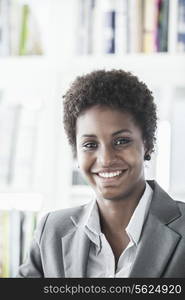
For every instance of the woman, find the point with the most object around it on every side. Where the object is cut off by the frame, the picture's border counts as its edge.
(132, 228)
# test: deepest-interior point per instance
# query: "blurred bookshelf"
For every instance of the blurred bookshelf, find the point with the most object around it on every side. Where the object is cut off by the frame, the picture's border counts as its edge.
(44, 45)
(129, 26)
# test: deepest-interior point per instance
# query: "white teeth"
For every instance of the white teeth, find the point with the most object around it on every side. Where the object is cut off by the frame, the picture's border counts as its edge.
(110, 174)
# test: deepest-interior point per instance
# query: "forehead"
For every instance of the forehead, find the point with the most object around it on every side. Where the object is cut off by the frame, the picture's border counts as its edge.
(105, 119)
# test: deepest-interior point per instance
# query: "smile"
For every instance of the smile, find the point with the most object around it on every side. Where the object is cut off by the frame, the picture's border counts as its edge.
(110, 174)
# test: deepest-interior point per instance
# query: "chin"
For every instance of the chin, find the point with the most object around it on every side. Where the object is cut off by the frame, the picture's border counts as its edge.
(111, 196)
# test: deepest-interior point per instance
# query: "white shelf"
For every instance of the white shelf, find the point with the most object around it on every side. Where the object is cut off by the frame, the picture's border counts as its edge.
(36, 62)
(21, 201)
(159, 69)
(159, 63)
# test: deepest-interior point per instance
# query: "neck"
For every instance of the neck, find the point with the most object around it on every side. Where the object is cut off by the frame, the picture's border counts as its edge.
(116, 214)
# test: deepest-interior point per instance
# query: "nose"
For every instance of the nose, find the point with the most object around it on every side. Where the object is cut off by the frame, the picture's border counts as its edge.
(106, 156)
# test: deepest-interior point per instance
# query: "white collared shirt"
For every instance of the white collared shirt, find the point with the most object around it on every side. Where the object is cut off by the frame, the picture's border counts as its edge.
(101, 261)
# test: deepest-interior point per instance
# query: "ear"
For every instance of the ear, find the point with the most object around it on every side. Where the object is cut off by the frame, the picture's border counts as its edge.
(147, 155)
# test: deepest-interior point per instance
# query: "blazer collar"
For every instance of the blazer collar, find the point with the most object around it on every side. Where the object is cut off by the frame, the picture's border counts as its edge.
(80, 220)
(76, 244)
(158, 239)
(163, 207)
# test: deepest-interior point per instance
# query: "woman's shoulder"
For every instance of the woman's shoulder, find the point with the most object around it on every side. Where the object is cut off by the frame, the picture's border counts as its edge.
(65, 213)
(60, 222)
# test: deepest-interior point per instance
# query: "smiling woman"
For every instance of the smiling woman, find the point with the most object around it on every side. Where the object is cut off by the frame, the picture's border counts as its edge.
(111, 156)
(132, 228)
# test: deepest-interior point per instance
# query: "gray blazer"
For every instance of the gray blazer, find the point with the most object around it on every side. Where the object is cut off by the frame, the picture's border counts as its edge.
(60, 246)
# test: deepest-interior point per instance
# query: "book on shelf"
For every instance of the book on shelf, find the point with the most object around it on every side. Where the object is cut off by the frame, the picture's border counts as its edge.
(29, 221)
(24, 30)
(4, 27)
(121, 27)
(30, 41)
(97, 46)
(20, 32)
(17, 229)
(108, 39)
(25, 148)
(85, 23)
(8, 117)
(176, 26)
(135, 23)
(155, 26)
(151, 10)
(1, 245)
(162, 26)
(181, 26)
(15, 223)
(5, 243)
(18, 151)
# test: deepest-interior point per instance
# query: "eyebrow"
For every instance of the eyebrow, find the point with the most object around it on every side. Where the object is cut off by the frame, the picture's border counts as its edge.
(113, 134)
(122, 131)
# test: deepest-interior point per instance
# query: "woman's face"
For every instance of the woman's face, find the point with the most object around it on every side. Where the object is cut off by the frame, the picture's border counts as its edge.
(110, 152)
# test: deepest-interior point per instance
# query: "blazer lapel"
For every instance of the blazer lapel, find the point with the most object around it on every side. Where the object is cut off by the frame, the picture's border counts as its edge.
(75, 247)
(155, 250)
(159, 241)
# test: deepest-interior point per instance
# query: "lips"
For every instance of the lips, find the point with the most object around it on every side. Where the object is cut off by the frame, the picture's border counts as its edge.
(110, 176)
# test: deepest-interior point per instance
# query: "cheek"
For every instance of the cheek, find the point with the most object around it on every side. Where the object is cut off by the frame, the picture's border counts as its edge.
(139, 157)
(83, 161)
(134, 156)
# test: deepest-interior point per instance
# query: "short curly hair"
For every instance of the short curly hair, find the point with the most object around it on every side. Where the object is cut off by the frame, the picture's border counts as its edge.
(116, 89)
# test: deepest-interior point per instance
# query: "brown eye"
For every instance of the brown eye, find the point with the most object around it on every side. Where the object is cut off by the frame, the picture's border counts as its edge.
(121, 141)
(90, 146)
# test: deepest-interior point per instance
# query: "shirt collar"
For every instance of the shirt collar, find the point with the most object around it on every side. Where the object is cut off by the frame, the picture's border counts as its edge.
(134, 227)
(92, 225)
(136, 222)
(93, 220)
